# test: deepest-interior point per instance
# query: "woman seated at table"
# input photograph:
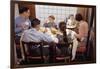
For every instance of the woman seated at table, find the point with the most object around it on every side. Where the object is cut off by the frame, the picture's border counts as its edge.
(67, 36)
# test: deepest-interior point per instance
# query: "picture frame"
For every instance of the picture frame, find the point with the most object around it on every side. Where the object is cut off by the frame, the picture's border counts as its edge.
(90, 11)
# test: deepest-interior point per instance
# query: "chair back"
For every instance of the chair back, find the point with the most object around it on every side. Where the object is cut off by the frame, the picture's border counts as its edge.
(26, 47)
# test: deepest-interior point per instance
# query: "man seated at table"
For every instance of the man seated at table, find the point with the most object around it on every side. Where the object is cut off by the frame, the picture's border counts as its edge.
(50, 22)
(34, 35)
(67, 36)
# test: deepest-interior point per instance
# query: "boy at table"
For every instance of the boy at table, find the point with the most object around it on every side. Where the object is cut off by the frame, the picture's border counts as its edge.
(50, 22)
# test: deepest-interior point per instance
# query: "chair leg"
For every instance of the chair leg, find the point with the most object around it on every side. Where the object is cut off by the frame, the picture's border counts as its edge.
(46, 59)
(67, 59)
(83, 56)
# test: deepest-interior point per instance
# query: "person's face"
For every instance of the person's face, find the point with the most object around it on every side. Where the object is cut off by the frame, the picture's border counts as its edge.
(50, 19)
(27, 14)
(38, 27)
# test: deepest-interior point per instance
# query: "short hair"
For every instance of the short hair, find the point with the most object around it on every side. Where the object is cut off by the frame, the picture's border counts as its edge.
(78, 17)
(23, 9)
(35, 22)
(51, 16)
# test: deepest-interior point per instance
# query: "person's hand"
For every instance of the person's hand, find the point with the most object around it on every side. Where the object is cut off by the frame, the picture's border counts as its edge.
(24, 26)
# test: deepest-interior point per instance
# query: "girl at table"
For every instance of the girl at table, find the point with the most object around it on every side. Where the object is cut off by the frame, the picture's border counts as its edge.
(67, 36)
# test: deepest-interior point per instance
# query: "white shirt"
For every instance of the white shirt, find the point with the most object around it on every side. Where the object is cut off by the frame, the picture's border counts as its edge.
(72, 33)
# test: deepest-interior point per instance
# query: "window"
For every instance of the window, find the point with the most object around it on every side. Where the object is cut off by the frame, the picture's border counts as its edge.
(60, 12)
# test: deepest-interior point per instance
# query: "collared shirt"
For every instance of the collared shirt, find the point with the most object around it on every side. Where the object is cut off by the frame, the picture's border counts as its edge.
(32, 35)
(21, 24)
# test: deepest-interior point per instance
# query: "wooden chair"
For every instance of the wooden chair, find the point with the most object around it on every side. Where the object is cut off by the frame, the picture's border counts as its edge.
(17, 49)
(65, 43)
(64, 58)
(26, 51)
